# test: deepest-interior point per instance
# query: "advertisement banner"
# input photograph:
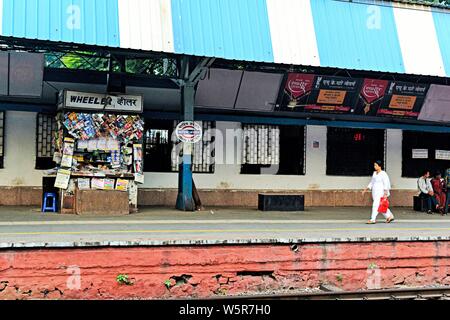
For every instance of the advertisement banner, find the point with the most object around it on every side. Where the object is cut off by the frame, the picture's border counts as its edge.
(403, 99)
(370, 97)
(333, 94)
(314, 93)
(296, 91)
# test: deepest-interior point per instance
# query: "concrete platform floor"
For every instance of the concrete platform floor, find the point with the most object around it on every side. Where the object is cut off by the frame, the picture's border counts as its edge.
(27, 227)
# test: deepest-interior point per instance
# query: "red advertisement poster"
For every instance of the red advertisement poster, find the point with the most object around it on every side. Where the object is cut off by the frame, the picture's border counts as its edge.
(299, 84)
(297, 89)
(316, 93)
(371, 96)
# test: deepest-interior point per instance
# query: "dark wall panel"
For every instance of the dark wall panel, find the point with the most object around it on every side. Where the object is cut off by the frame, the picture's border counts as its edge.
(3, 73)
(219, 89)
(26, 74)
(437, 104)
(259, 91)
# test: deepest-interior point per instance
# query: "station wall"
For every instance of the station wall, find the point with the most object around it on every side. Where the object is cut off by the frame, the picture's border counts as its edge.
(20, 151)
(19, 170)
(227, 176)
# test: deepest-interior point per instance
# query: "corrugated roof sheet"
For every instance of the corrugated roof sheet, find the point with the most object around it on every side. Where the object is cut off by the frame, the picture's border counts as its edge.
(357, 36)
(360, 34)
(293, 34)
(442, 27)
(146, 25)
(1, 16)
(232, 29)
(420, 48)
(81, 21)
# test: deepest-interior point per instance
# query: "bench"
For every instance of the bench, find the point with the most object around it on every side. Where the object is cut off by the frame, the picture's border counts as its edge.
(281, 202)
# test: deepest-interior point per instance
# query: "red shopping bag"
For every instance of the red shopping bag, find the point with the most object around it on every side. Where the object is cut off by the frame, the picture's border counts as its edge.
(384, 205)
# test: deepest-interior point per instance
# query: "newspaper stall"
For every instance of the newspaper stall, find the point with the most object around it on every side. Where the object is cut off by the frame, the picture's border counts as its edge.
(98, 149)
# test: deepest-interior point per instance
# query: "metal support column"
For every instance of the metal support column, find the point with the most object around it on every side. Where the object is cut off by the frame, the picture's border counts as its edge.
(189, 80)
(185, 200)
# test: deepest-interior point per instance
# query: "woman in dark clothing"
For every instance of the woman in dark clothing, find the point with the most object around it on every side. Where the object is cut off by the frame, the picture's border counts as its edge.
(439, 186)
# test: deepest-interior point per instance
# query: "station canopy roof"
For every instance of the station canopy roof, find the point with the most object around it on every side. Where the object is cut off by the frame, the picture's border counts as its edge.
(367, 35)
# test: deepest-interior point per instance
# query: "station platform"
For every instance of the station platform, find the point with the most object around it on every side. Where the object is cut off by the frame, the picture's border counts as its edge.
(170, 254)
(29, 228)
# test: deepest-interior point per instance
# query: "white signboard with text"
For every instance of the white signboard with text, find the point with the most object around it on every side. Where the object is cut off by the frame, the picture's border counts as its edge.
(442, 155)
(99, 102)
(420, 153)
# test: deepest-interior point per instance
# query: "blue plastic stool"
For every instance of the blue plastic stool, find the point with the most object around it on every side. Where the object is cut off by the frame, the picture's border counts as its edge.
(52, 197)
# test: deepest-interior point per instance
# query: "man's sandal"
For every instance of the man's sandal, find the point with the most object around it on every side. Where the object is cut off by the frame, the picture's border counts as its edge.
(389, 220)
(371, 222)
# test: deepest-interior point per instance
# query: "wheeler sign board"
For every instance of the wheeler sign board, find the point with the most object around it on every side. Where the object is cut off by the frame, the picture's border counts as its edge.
(100, 102)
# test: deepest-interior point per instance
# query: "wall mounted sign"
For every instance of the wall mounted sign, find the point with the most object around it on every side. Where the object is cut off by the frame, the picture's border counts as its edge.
(99, 102)
(442, 155)
(403, 99)
(420, 153)
(189, 132)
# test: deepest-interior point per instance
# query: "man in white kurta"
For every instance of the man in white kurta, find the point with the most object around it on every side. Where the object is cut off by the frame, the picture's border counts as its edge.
(380, 186)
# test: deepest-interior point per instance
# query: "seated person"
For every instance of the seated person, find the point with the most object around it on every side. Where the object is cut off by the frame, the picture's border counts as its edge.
(447, 187)
(438, 184)
(426, 192)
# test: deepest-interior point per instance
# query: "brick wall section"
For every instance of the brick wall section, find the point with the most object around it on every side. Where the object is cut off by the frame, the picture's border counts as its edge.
(20, 196)
(205, 271)
(249, 198)
(31, 196)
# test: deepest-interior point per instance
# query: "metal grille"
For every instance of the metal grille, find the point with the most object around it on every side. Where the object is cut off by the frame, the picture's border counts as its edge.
(261, 144)
(45, 147)
(352, 152)
(157, 66)
(2, 137)
(203, 155)
(156, 137)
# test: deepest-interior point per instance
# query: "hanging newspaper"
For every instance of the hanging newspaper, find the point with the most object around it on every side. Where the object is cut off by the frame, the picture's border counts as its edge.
(62, 179)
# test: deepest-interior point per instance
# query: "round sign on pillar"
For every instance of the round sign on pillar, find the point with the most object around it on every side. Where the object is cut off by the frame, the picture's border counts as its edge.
(189, 132)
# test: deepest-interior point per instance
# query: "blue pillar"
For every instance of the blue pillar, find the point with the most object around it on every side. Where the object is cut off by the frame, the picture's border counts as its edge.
(185, 200)
(189, 79)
